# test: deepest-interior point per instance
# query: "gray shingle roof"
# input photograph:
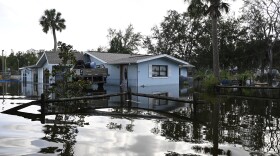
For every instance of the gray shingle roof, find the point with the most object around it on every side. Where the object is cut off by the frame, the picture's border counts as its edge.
(110, 57)
(117, 58)
(131, 59)
(53, 57)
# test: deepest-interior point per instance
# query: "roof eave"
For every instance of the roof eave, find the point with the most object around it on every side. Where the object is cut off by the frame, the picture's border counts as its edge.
(96, 57)
(164, 55)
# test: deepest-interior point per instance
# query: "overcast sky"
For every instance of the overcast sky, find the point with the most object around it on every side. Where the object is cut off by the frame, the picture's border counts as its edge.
(87, 21)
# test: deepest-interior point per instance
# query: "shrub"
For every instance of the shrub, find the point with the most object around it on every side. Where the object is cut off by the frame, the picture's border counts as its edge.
(209, 82)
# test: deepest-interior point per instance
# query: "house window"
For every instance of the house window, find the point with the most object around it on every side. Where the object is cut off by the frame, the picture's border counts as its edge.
(160, 70)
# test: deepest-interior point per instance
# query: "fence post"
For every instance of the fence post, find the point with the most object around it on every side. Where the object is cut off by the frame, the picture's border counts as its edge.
(43, 108)
(129, 95)
(42, 103)
(195, 102)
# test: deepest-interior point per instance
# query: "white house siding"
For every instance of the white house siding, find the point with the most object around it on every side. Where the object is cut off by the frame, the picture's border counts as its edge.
(114, 77)
(114, 74)
(144, 75)
(29, 75)
(40, 75)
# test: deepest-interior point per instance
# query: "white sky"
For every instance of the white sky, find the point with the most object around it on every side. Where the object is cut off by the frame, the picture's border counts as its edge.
(87, 21)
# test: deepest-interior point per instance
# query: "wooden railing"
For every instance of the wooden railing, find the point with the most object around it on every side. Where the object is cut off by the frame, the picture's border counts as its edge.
(91, 72)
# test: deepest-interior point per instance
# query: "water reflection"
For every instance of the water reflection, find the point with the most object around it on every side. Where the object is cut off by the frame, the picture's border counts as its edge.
(219, 126)
(10, 88)
(63, 129)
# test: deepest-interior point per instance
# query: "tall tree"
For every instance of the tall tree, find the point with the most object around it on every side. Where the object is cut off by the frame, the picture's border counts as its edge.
(20, 59)
(213, 8)
(64, 75)
(263, 19)
(52, 20)
(177, 35)
(127, 42)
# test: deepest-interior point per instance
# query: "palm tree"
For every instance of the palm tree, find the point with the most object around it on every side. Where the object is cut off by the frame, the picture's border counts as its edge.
(213, 8)
(52, 20)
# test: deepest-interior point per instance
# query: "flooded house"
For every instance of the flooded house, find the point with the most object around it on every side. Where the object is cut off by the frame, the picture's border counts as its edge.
(152, 74)
(136, 70)
(123, 69)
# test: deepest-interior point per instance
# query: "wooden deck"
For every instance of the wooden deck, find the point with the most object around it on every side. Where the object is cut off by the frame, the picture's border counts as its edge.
(90, 72)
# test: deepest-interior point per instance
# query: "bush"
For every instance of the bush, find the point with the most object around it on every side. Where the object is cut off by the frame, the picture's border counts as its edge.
(225, 74)
(209, 82)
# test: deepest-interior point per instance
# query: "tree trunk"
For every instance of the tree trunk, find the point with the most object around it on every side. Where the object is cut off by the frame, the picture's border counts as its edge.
(216, 68)
(270, 56)
(54, 39)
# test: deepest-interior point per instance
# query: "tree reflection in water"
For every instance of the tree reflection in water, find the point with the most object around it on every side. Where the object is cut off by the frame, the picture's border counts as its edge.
(252, 124)
(64, 130)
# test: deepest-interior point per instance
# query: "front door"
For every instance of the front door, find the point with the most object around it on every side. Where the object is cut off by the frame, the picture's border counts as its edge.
(123, 75)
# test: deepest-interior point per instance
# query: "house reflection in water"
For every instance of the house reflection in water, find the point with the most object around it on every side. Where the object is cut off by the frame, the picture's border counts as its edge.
(34, 90)
(151, 103)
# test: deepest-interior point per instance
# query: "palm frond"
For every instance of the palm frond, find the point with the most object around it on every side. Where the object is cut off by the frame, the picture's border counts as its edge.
(224, 7)
(197, 8)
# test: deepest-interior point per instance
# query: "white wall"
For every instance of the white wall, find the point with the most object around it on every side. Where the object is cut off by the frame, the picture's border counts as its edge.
(138, 74)
(41, 73)
(144, 78)
(114, 77)
(114, 71)
(29, 74)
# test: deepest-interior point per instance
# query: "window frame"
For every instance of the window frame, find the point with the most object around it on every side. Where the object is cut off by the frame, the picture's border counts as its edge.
(160, 69)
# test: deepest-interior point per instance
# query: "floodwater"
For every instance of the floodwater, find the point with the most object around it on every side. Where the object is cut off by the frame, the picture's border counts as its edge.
(218, 125)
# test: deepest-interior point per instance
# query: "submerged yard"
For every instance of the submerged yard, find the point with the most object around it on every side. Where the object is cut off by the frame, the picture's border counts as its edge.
(221, 125)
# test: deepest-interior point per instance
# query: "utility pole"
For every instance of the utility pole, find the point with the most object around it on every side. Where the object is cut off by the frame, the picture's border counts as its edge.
(18, 64)
(3, 64)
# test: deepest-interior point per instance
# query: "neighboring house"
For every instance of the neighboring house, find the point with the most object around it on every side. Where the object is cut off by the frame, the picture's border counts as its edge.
(140, 70)
(123, 69)
(38, 73)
